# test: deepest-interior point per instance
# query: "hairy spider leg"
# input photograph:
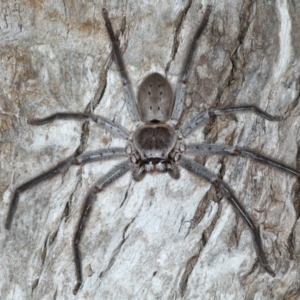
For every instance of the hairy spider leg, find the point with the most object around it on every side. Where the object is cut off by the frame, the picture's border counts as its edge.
(61, 168)
(111, 126)
(203, 117)
(197, 169)
(129, 95)
(181, 85)
(195, 149)
(107, 179)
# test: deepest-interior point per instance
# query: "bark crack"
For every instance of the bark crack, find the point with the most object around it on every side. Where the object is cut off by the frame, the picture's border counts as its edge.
(188, 270)
(237, 57)
(126, 195)
(199, 213)
(117, 250)
(178, 24)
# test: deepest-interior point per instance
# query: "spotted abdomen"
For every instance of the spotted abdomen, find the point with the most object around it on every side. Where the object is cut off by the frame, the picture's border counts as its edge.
(155, 99)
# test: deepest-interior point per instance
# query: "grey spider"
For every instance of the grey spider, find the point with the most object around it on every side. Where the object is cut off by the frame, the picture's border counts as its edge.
(155, 145)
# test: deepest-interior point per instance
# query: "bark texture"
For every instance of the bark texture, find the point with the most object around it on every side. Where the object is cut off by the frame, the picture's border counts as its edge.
(158, 238)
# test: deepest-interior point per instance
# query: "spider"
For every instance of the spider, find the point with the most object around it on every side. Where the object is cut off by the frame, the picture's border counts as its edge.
(155, 145)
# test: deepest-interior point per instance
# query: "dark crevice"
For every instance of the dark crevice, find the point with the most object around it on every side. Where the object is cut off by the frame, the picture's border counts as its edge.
(236, 233)
(211, 196)
(277, 249)
(200, 211)
(55, 295)
(65, 10)
(293, 105)
(296, 197)
(117, 250)
(204, 239)
(236, 58)
(298, 157)
(188, 270)
(290, 245)
(34, 284)
(223, 167)
(178, 24)
(245, 19)
(101, 90)
(44, 251)
(296, 203)
(85, 131)
(67, 207)
(52, 237)
(210, 134)
(182, 222)
(66, 212)
(253, 270)
(48, 241)
(125, 196)
(123, 25)
(292, 83)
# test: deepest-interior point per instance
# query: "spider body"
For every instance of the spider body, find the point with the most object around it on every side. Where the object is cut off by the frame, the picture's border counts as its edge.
(154, 140)
(154, 145)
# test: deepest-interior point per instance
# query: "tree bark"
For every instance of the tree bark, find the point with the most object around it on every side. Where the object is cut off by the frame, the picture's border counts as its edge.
(159, 238)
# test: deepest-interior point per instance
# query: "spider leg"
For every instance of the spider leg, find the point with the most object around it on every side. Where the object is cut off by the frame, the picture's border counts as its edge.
(107, 179)
(60, 168)
(200, 119)
(112, 127)
(235, 151)
(129, 95)
(181, 85)
(194, 167)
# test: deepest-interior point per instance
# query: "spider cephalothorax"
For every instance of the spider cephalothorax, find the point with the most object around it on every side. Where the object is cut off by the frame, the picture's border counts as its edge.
(154, 141)
(154, 145)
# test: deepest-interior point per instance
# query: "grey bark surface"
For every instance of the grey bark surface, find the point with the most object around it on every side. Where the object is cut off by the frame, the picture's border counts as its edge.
(158, 238)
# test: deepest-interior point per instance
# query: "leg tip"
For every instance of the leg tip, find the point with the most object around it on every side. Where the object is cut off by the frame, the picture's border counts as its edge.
(208, 9)
(31, 122)
(279, 119)
(76, 288)
(7, 225)
(269, 271)
(104, 12)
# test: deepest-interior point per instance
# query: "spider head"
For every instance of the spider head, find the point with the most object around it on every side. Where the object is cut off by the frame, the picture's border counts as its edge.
(154, 141)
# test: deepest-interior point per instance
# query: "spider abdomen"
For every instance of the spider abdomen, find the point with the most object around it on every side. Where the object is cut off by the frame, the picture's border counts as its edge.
(155, 99)
(154, 141)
